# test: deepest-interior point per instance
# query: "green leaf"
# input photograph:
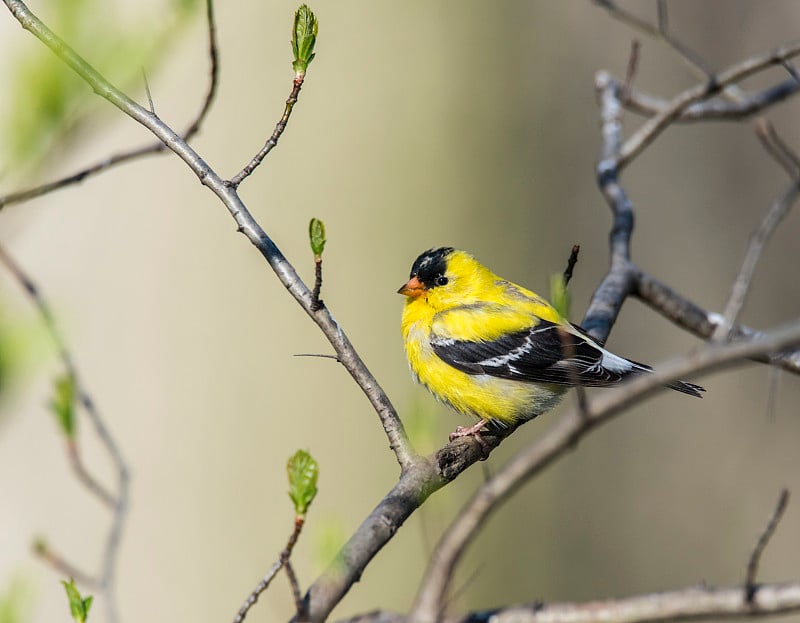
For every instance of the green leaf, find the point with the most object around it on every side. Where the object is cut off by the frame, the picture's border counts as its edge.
(304, 37)
(316, 234)
(303, 471)
(559, 295)
(78, 606)
(63, 404)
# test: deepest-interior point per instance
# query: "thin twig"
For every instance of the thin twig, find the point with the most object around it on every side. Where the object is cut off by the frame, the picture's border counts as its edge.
(750, 586)
(85, 477)
(294, 585)
(63, 567)
(272, 141)
(758, 240)
(755, 248)
(573, 259)
(119, 504)
(651, 128)
(777, 148)
(554, 443)
(260, 588)
(691, 317)
(146, 150)
(147, 91)
(263, 585)
(316, 302)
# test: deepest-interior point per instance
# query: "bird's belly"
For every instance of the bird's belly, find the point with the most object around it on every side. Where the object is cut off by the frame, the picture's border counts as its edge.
(479, 395)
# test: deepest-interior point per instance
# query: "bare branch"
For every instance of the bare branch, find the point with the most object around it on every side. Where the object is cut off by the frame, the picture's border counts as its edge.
(573, 259)
(755, 248)
(86, 478)
(133, 154)
(272, 141)
(246, 224)
(750, 586)
(693, 318)
(696, 603)
(657, 124)
(777, 148)
(64, 567)
(560, 438)
(119, 504)
(281, 563)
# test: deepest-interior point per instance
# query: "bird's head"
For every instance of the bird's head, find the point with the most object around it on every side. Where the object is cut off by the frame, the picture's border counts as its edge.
(446, 277)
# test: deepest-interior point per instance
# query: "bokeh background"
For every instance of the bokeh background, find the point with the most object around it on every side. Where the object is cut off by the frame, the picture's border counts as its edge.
(466, 123)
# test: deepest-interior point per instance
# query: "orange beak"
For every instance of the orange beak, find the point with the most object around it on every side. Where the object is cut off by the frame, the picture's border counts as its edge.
(413, 289)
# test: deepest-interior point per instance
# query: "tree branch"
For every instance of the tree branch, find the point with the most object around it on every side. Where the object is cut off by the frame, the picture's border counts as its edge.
(246, 224)
(562, 437)
(695, 603)
(651, 128)
(119, 503)
(146, 150)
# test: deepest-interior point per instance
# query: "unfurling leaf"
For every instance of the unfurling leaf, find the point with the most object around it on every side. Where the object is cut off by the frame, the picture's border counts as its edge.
(559, 295)
(303, 471)
(316, 234)
(304, 37)
(78, 605)
(63, 404)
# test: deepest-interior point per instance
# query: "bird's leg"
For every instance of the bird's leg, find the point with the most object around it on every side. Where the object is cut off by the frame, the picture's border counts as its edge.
(473, 431)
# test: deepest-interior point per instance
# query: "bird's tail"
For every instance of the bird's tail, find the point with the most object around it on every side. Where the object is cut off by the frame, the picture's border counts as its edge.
(687, 388)
(679, 386)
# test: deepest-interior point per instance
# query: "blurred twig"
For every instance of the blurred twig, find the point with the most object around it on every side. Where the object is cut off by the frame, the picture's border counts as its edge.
(750, 586)
(132, 154)
(119, 502)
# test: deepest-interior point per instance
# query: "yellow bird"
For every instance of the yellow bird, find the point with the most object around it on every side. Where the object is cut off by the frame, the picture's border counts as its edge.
(493, 350)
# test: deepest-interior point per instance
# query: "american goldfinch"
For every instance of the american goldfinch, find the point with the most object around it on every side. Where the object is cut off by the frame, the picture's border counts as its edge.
(492, 349)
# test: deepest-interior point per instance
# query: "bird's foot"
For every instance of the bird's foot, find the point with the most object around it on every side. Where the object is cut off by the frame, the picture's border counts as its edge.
(473, 431)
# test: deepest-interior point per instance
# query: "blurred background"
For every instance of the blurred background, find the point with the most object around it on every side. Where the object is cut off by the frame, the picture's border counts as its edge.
(464, 123)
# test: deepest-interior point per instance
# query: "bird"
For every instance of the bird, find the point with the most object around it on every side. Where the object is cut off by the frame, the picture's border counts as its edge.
(493, 350)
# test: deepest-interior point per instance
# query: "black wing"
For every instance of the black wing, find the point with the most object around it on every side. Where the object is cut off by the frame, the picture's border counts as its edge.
(544, 353)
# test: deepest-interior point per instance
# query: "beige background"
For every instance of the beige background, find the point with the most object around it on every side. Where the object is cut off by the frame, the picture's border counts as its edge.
(422, 123)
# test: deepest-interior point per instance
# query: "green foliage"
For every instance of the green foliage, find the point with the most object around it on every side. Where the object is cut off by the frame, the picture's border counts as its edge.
(14, 602)
(330, 534)
(50, 102)
(63, 405)
(303, 472)
(304, 38)
(316, 234)
(78, 605)
(559, 294)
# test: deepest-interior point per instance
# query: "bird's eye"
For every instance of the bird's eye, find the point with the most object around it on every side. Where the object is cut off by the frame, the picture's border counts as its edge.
(441, 280)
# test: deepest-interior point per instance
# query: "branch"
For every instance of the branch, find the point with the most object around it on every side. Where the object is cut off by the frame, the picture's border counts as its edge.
(750, 586)
(119, 503)
(272, 141)
(281, 563)
(245, 222)
(426, 476)
(695, 603)
(146, 150)
(557, 441)
(747, 105)
(657, 124)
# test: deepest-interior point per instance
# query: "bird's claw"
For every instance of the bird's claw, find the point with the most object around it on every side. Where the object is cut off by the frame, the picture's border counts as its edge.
(475, 432)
